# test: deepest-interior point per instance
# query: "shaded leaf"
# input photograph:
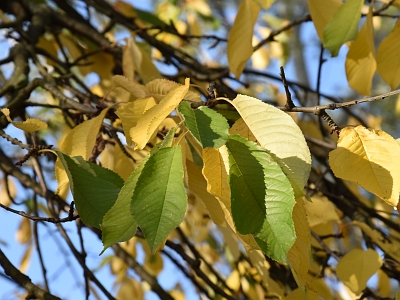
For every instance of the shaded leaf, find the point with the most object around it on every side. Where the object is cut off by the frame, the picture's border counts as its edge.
(95, 189)
(322, 12)
(135, 89)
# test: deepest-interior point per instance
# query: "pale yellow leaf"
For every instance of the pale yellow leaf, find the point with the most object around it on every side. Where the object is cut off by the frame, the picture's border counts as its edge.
(260, 58)
(322, 12)
(151, 119)
(131, 112)
(231, 240)
(130, 289)
(123, 165)
(298, 294)
(26, 259)
(239, 41)
(214, 172)
(24, 233)
(160, 87)
(392, 249)
(370, 159)
(198, 186)
(299, 254)
(388, 59)
(322, 289)
(78, 142)
(233, 281)
(320, 211)
(29, 125)
(356, 267)
(384, 286)
(147, 70)
(240, 127)
(280, 136)
(265, 4)
(135, 89)
(360, 60)
(118, 267)
(153, 263)
(4, 196)
(128, 57)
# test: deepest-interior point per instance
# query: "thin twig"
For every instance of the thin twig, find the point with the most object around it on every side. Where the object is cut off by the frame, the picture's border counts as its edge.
(289, 101)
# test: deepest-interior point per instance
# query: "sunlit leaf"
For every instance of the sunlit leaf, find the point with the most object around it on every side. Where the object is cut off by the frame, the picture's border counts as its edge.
(360, 60)
(160, 87)
(152, 118)
(159, 201)
(208, 127)
(370, 159)
(343, 26)
(280, 136)
(299, 255)
(322, 12)
(131, 112)
(356, 267)
(387, 59)
(239, 42)
(29, 125)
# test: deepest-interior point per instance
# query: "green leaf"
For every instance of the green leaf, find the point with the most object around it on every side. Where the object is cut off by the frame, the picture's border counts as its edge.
(343, 26)
(276, 132)
(95, 189)
(246, 180)
(159, 201)
(208, 127)
(118, 223)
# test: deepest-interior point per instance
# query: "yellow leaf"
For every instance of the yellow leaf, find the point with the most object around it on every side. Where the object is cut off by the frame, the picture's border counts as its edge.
(130, 289)
(233, 281)
(370, 159)
(26, 259)
(198, 186)
(356, 267)
(4, 197)
(388, 59)
(265, 4)
(299, 254)
(240, 37)
(128, 57)
(160, 87)
(231, 240)
(360, 60)
(29, 125)
(215, 173)
(177, 295)
(24, 233)
(320, 211)
(322, 12)
(240, 127)
(298, 294)
(78, 142)
(392, 249)
(119, 268)
(123, 165)
(131, 112)
(280, 136)
(146, 68)
(136, 90)
(151, 119)
(50, 46)
(322, 289)
(153, 263)
(384, 286)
